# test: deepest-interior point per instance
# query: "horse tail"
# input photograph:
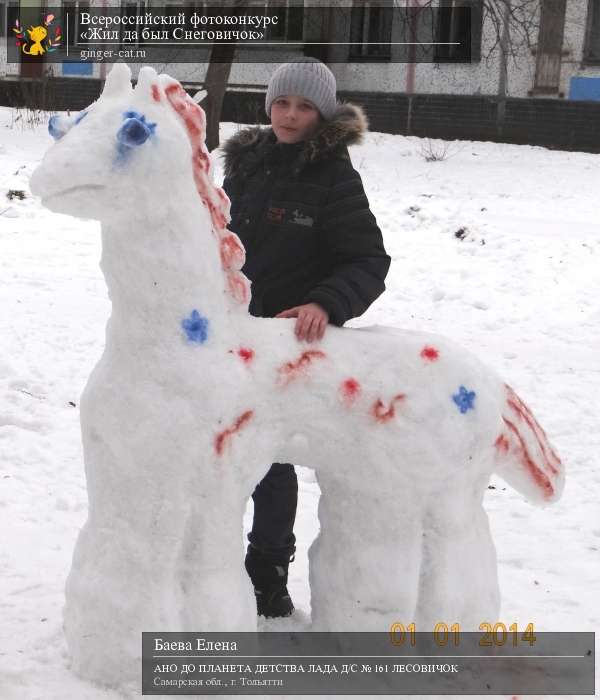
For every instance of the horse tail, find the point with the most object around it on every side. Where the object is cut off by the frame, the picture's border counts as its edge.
(524, 456)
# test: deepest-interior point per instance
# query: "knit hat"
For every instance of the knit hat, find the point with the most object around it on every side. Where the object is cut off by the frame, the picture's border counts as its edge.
(307, 77)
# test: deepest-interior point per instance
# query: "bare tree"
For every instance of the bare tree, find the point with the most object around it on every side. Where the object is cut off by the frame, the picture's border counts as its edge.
(515, 24)
(518, 19)
(222, 56)
(217, 78)
(509, 28)
(215, 84)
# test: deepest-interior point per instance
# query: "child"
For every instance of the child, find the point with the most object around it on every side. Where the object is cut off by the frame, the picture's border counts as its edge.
(314, 252)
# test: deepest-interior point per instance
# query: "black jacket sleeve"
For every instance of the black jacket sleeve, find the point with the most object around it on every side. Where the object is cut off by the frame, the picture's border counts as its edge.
(355, 247)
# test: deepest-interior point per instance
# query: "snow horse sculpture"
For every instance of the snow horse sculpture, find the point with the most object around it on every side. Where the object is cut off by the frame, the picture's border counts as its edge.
(193, 398)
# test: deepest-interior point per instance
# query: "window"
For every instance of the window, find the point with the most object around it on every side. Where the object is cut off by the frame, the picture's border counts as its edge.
(370, 31)
(170, 8)
(459, 31)
(71, 13)
(591, 53)
(190, 8)
(166, 8)
(290, 19)
(131, 8)
(290, 24)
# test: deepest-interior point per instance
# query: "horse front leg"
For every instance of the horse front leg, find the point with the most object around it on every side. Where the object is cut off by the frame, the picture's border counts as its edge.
(121, 579)
(215, 592)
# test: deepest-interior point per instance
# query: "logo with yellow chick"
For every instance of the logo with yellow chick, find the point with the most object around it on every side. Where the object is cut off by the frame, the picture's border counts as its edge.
(36, 41)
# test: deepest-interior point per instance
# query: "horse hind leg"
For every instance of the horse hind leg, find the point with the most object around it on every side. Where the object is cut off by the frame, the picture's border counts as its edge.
(214, 590)
(459, 577)
(364, 565)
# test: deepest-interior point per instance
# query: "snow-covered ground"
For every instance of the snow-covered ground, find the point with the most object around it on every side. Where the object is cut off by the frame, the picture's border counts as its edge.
(496, 246)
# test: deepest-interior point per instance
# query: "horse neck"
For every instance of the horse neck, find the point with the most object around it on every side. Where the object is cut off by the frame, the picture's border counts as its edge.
(159, 266)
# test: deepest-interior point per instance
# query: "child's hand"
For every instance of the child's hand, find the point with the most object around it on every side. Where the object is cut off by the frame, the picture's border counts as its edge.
(312, 321)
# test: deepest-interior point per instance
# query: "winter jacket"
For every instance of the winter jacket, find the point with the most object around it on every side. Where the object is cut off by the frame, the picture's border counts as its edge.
(304, 219)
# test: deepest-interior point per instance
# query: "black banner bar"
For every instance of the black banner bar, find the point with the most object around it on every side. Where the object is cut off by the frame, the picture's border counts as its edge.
(308, 663)
(186, 34)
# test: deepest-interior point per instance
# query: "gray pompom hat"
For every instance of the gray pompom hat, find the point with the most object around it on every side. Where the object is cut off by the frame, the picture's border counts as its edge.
(307, 77)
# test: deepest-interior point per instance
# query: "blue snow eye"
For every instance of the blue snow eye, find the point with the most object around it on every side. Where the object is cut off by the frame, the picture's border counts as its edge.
(134, 131)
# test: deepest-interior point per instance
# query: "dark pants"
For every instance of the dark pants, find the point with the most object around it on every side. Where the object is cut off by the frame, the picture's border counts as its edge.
(275, 499)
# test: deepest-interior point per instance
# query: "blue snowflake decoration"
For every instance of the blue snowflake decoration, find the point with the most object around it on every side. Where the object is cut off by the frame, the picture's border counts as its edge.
(464, 399)
(195, 327)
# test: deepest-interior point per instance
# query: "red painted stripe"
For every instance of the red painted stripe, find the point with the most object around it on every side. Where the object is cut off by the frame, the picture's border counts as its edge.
(383, 414)
(291, 370)
(523, 411)
(222, 437)
(536, 473)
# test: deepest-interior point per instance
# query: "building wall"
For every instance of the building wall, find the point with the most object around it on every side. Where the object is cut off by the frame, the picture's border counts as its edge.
(481, 78)
(562, 124)
(573, 64)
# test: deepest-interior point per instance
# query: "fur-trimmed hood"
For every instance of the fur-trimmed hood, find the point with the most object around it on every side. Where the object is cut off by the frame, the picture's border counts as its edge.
(346, 128)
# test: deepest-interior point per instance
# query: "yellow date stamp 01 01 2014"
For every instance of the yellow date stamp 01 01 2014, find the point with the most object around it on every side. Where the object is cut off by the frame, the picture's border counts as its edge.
(495, 634)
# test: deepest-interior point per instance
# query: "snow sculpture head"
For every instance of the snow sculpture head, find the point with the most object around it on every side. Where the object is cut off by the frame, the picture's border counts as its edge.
(102, 153)
(113, 159)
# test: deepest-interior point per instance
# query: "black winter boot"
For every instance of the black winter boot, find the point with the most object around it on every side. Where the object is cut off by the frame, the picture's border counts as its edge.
(269, 575)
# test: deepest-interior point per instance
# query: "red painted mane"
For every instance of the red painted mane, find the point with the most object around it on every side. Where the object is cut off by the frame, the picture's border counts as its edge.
(214, 198)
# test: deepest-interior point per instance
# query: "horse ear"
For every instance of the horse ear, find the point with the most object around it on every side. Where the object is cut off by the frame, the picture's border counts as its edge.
(118, 81)
(146, 77)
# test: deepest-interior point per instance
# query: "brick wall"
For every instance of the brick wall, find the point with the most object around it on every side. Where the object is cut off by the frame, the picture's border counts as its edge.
(552, 123)
(563, 124)
(55, 94)
(566, 124)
